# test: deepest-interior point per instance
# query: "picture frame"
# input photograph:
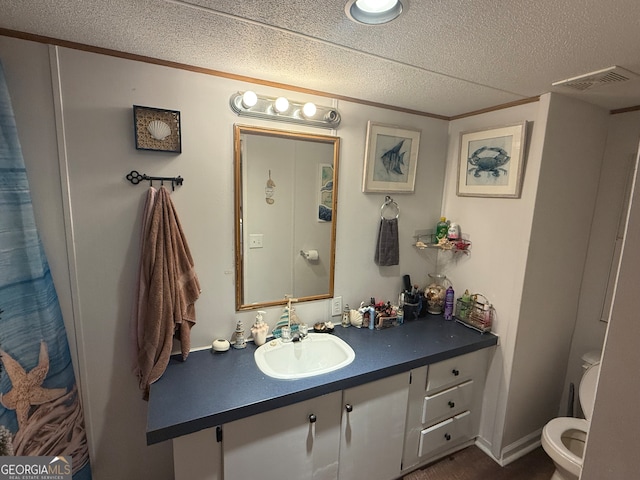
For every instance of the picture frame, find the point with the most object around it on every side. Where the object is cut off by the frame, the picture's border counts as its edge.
(157, 129)
(390, 159)
(491, 162)
(325, 192)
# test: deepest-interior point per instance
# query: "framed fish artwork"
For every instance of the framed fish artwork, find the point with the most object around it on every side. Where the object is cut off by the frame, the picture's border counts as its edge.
(491, 162)
(325, 192)
(390, 159)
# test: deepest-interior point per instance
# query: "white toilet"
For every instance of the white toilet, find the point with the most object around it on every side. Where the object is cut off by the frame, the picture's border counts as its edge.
(563, 438)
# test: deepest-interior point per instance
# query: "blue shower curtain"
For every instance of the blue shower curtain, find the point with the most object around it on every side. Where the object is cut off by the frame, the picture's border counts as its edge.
(40, 409)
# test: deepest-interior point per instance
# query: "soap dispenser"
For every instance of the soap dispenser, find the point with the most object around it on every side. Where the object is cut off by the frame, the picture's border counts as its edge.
(259, 329)
(240, 341)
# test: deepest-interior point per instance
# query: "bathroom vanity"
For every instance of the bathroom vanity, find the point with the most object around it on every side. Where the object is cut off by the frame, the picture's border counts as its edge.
(412, 394)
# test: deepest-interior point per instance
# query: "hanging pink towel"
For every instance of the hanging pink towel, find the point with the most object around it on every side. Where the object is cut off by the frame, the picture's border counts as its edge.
(168, 290)
(136, 333)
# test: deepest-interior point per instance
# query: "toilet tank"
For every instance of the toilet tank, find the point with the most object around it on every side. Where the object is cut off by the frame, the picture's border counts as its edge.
(590, 358)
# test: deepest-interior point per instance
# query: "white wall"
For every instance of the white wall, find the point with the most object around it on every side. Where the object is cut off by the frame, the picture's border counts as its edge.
(612, 443)
(523, 264)
(97, 280)
(499, 230)
(268, 269)
(310, 277)
(617, 168)
(567, 191)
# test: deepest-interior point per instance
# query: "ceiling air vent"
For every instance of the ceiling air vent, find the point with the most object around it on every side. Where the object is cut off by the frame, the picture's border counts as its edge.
(606, 76)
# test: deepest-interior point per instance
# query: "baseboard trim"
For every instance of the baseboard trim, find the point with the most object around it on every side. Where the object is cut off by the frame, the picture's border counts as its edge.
(485, 446)
(520, 448)
(436, 457)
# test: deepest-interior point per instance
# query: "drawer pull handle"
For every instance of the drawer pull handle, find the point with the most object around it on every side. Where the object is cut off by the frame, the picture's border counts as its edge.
(455, 372)
(451, 404)
(447, 437)
(312, 418)
(348, 407)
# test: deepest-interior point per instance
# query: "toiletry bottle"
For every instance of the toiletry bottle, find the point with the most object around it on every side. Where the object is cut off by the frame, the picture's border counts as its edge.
(400, 311)
(465, 306)
(448, 303)
(259, 329)
(441, 229)
(453, 232)
(372, 317)
(486, 315)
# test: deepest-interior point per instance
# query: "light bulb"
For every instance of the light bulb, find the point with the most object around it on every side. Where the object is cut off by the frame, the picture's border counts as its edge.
(282, 104)
(376, 6)
(373, 12)
(249, 99)
(309, 109)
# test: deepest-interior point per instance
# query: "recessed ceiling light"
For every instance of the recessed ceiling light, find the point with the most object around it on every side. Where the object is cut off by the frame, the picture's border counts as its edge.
(373, 12)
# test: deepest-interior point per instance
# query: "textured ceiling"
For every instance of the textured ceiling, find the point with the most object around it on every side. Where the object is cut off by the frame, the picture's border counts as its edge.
(444, 57)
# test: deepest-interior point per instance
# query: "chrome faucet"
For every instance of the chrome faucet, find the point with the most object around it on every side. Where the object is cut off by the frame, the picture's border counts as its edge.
(301, 333)
(298, 336)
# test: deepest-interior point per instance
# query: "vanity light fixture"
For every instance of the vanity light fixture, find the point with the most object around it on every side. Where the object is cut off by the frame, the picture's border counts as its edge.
(373, 12)
(249, 104)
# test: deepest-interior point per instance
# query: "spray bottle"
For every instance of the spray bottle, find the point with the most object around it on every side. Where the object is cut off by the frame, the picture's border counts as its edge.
(448, 303)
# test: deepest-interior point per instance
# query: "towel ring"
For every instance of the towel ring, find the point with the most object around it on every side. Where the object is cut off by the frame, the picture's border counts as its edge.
(389, 209)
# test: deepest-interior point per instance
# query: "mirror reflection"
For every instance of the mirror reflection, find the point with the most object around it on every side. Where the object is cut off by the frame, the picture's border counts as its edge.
(285, 215)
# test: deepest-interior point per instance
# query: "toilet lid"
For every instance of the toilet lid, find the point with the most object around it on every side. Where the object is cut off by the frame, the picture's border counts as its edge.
(587, 392)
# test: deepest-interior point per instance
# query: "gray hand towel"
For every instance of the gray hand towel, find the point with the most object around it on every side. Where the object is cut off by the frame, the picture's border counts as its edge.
(387, 248)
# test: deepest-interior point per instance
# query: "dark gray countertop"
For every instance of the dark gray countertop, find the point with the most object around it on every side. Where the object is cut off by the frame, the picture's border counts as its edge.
(211, 389)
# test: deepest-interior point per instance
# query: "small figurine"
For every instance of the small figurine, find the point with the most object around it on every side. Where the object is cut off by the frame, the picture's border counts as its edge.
(240, 341)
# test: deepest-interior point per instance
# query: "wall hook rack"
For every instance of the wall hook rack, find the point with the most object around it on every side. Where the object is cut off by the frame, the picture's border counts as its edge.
(134, 177)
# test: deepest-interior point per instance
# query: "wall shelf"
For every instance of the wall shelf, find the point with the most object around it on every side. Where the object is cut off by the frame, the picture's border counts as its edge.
(429, 240)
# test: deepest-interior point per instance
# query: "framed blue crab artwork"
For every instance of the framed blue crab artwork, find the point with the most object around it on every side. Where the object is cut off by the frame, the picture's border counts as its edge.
(491, 162)
(390, 159)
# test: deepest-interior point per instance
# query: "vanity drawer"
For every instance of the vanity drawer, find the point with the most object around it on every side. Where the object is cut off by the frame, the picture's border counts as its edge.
(447, 403)
(453, 371)
(451, 432)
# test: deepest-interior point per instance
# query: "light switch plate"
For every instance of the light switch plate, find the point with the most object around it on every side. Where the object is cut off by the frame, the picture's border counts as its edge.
(336, 306)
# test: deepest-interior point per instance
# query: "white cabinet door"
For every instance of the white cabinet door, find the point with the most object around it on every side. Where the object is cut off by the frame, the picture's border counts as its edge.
(197, 456)
(300, 441)
(373, 424)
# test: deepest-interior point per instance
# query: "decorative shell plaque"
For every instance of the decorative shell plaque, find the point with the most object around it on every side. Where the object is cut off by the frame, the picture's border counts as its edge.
(157, 129)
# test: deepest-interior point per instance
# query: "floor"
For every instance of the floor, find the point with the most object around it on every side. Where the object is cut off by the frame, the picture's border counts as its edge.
(473, 464)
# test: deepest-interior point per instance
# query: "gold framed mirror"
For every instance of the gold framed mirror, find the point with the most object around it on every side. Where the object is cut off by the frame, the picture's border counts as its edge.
(285, 215)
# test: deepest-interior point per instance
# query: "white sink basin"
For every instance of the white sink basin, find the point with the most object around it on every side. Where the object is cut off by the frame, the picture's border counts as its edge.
(318, 353)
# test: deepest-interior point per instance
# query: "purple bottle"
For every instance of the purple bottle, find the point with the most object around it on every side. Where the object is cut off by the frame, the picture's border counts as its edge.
(448, 303)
